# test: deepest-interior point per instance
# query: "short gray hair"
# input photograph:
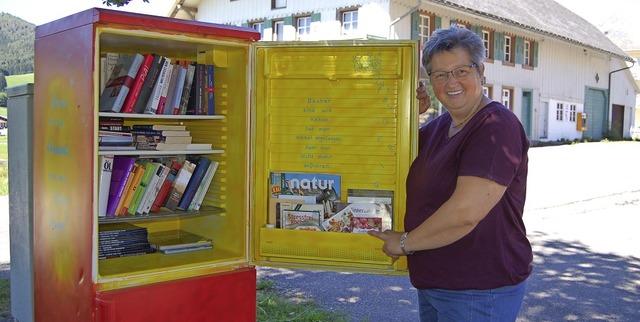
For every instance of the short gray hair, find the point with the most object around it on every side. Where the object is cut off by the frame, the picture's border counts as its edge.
(452, 38)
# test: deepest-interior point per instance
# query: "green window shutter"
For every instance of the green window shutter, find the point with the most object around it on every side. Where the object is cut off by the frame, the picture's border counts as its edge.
(268, 24)
(535, 54)
(415, 25)
(498, 46)
(438, 23)
(245, 24)
(315, 17)
(288, 21)
(519, 50)
(476, 30)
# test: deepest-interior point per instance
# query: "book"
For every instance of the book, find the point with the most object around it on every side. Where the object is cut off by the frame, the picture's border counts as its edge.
(370, 196)
(301, 220)
(202, 164)
(161, 132)
(122, 166)
(158, 202)
(209, 90)
(149, 83)
(175, 239)
(277, 205)
(186, 90)
(175, 93)
(160, 127)
(172, 73)
(133, 186)
(198, 146)
(153, 188)
(196, 99)
(179, 185)
(196, 203)
(185, 249)
(370, 216)
(120, 83)
(104, 182)
(117, 148)
(138, 83)
(107, 63)
(154, 99)
(149, 172)
(319, 188)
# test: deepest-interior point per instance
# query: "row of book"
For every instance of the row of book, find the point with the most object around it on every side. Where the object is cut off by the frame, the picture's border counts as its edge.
(132, 186)
(125, 239)
(156, 84)
(113, 135)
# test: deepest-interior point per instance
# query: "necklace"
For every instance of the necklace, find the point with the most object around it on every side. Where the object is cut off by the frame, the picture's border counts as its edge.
(475, 110)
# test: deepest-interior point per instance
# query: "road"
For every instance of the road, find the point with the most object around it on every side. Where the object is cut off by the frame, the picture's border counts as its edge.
(582, 217)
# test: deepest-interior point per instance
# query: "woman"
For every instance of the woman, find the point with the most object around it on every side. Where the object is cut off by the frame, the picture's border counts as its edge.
(466, 243)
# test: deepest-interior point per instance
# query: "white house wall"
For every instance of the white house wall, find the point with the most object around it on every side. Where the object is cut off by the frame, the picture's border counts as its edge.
(564, 73)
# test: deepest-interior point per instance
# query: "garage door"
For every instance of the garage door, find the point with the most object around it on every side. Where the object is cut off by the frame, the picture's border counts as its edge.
(595, 106)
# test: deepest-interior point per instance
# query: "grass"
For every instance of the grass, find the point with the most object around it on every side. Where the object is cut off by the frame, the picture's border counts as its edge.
(5, 306)
(15, 80)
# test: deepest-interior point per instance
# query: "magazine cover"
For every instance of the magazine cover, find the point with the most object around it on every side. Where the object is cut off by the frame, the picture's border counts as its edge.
(277, 205)
(359, 218)
(301, 220)
(313, 188)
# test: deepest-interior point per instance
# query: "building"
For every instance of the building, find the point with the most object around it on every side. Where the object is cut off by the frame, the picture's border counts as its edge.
(547, 64)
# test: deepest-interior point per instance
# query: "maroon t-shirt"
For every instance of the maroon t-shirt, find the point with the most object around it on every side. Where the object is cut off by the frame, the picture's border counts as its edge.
(493, 145)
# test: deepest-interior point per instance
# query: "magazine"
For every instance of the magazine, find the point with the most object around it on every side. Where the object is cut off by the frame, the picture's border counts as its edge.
(312, 188)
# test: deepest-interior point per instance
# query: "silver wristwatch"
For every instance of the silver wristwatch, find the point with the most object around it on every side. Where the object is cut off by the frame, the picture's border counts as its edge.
(403, 238)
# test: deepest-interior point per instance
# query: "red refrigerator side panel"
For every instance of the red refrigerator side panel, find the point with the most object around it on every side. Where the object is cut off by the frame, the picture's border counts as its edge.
(228, 296)
(63, 166)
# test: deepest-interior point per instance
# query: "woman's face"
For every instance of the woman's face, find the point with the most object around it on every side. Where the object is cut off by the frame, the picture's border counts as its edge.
(460, 93)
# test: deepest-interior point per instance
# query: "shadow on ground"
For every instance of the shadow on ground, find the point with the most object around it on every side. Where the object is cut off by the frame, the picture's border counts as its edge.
(569, 283)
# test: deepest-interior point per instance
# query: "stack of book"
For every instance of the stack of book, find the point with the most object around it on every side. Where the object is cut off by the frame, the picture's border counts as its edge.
(139, 186)
(122, 239)
(165, 137)
(156, 84)
(178, 241)
(113, 135)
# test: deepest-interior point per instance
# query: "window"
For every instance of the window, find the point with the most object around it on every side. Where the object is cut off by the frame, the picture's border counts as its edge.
(349, 22)
(572, 112)
(278, 4)
(278, 30)
(507, 98)
(527, 53)
(424, 28)
(559, 112)
(303, 28)
(508, 49)
(486, 90)
(259, 26)
(487, 41)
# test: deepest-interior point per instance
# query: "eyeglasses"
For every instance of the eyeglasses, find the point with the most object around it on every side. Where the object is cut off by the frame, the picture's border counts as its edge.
(459, 73)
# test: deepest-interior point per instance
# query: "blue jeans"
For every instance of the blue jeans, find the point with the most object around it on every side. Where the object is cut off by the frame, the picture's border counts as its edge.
(496, 305)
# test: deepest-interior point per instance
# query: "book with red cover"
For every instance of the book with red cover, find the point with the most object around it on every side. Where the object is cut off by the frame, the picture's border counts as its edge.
(149, 83)
(166, 186)
(202, 164)
(119, 84)
(122, 166)
(135, 90)
(180, 185)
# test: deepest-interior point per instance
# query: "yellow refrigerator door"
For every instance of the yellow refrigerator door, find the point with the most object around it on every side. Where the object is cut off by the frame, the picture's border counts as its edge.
(335, 127)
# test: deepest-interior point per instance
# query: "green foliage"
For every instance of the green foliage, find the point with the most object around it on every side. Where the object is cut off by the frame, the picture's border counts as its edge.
(3, 82)
(3, 99)
(16, 45)
(118, 3)
(273, 306)
(5, 305)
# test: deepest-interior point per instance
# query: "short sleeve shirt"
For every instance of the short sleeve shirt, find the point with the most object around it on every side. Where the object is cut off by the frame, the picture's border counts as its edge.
(494, 146)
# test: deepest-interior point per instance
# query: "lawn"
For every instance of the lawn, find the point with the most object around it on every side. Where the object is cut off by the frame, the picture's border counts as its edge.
(15, 80)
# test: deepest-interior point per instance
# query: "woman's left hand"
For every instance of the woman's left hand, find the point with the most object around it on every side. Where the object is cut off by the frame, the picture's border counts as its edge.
(391, 240)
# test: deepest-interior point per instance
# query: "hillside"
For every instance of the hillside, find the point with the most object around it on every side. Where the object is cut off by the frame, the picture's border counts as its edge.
(16, 45)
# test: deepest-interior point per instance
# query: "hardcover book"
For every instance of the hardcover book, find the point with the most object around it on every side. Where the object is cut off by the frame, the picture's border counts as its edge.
(122, 166)
(202, 165)
(210, 89)
(173, 99)
(154, 187)
(120, 83)
(154, 99)
(196, 203)
(165, 88)
(135, 182)
(138, 83)
(179, 185)
(160, 199)
(149, 172)
(148, 84)
(106, 170)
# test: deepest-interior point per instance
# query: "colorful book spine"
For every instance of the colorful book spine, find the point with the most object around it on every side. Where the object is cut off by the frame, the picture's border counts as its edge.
(191, 188)
(106, 171)
(154, 188)
(122, 167)
(138, 83)
(148, 85)
(135, 182)
(196, 202)
(149, 172)
(154, 99)
(179, 185)
(166, 186)
(116, 91)
(210, 90)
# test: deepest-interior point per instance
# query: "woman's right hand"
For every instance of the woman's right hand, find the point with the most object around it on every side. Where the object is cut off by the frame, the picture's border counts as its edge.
(424, 101)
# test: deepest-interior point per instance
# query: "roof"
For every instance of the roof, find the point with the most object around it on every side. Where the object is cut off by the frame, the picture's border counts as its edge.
(545, 17)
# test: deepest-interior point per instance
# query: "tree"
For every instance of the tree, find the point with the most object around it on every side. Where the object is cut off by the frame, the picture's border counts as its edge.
(118, 3)
(3, 82)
